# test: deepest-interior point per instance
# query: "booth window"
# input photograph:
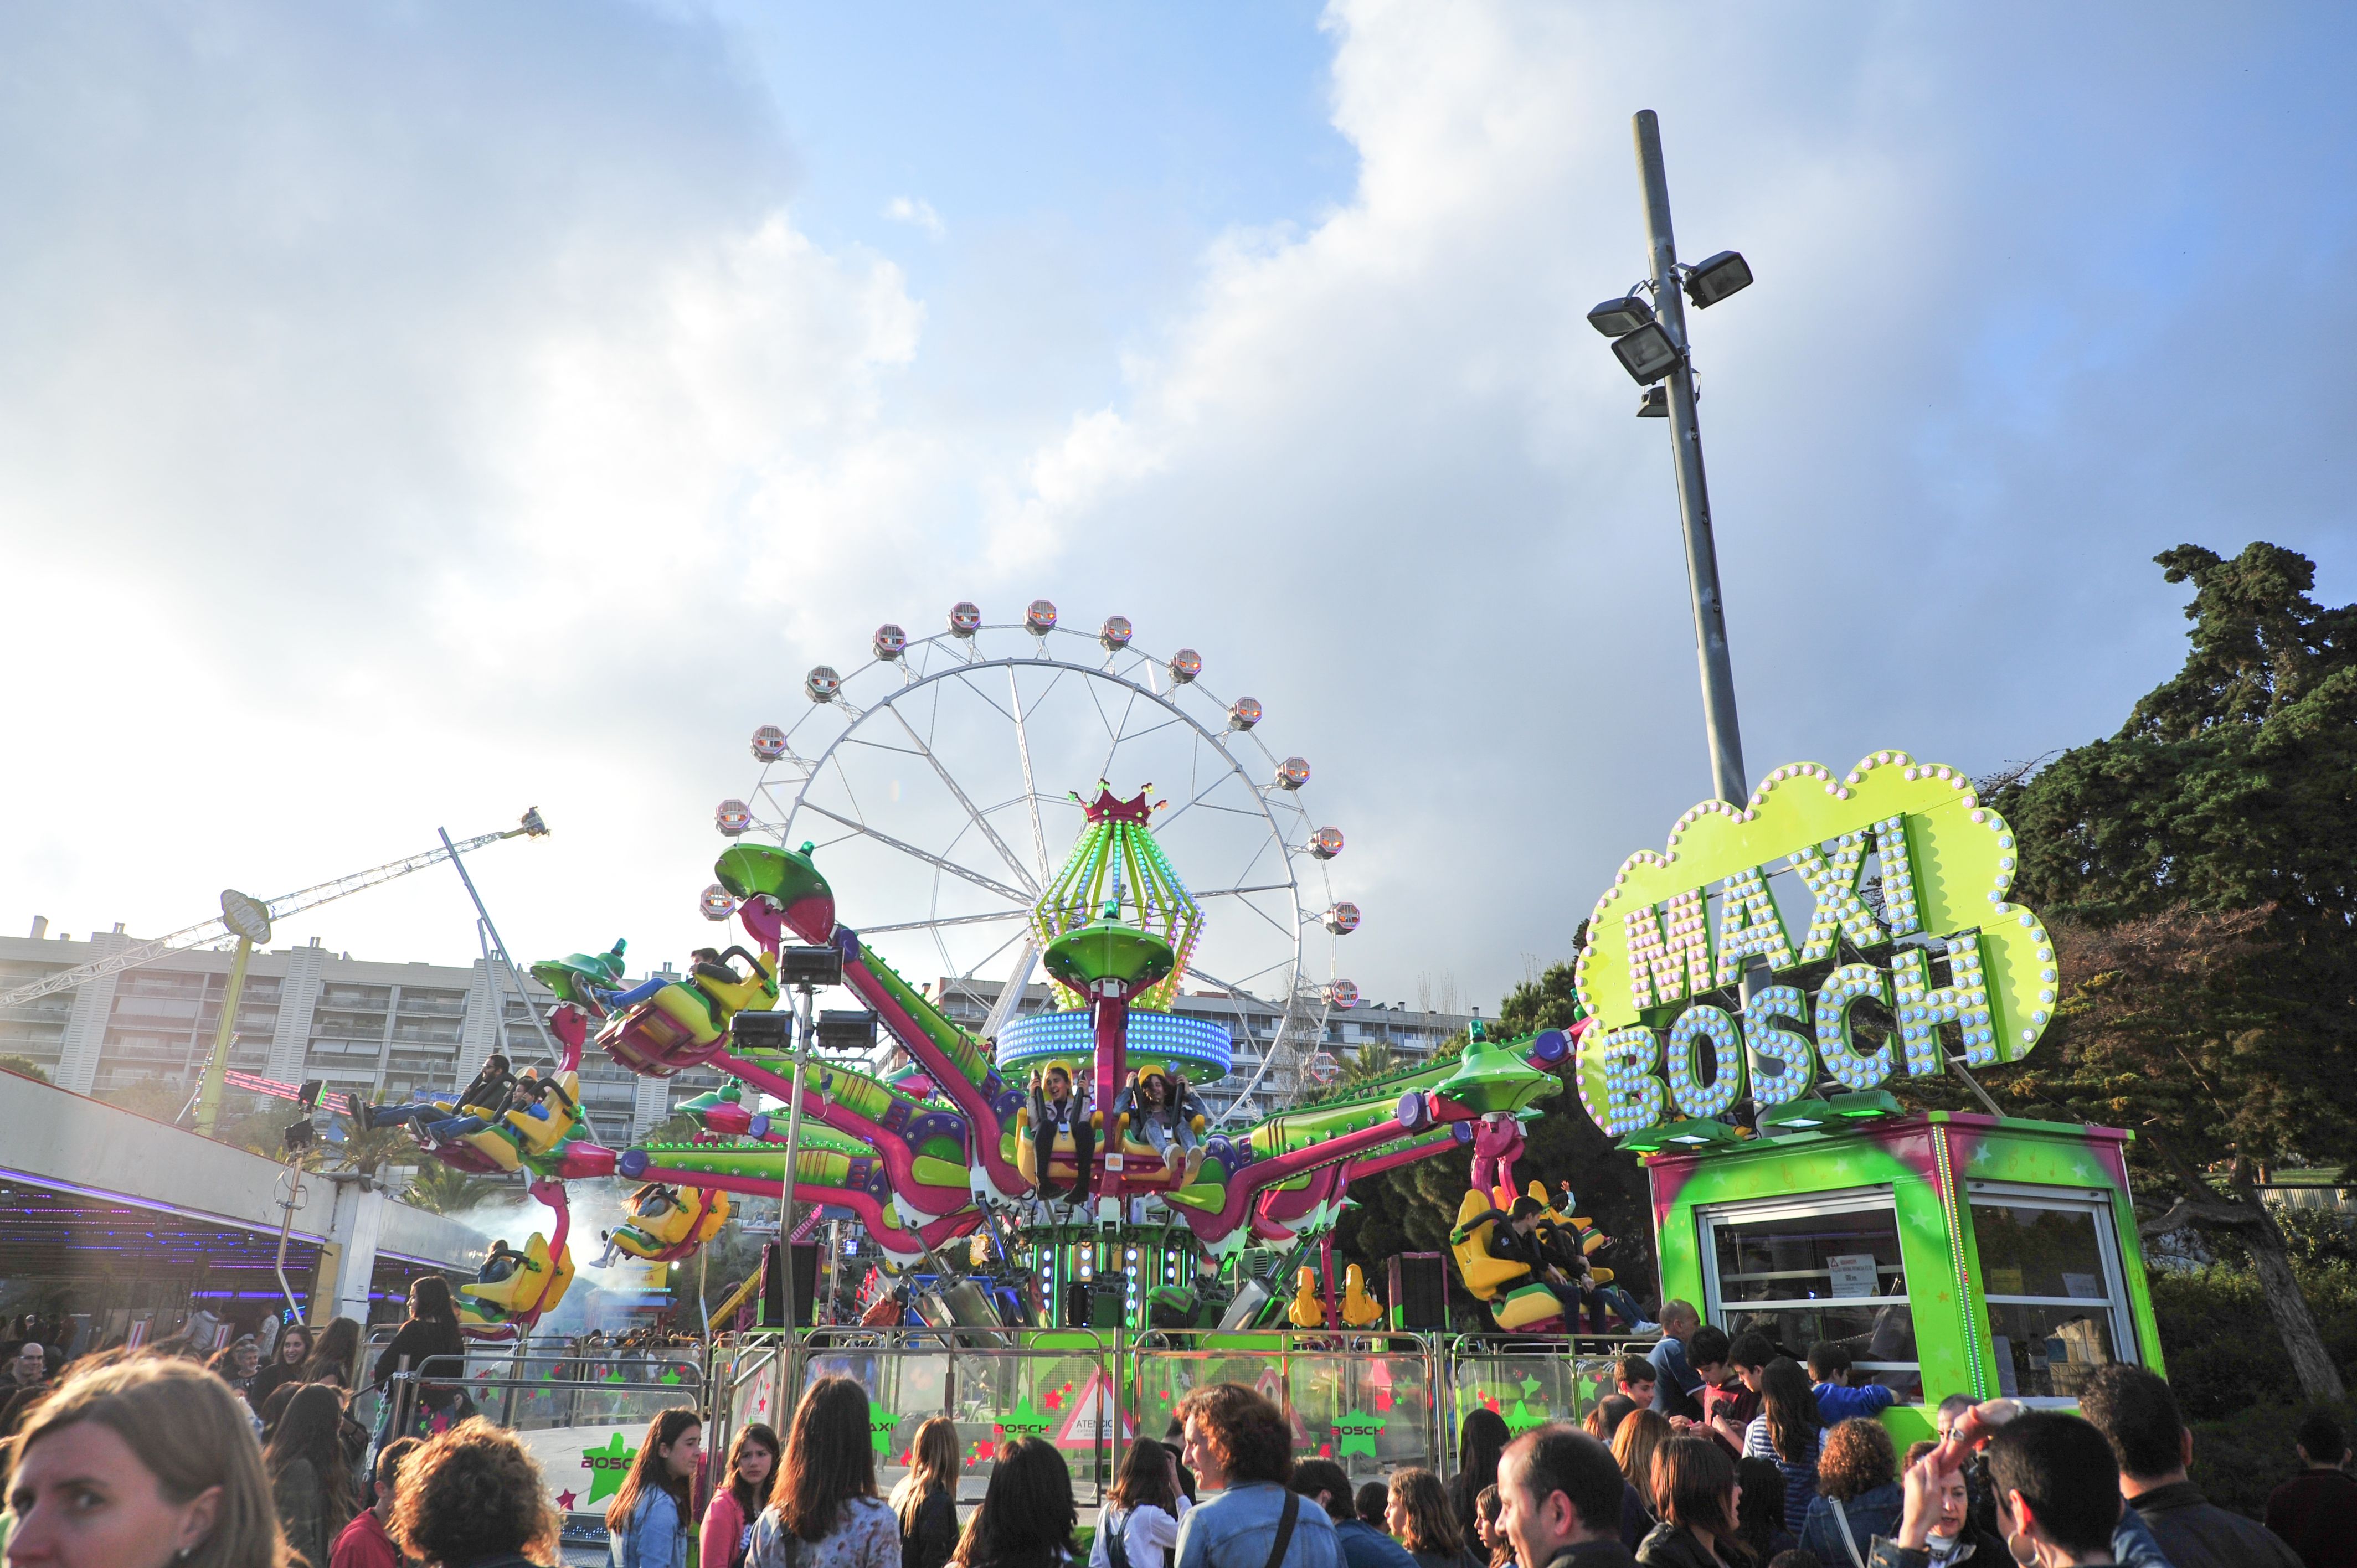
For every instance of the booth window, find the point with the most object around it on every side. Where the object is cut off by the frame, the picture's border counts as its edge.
(1825, 1268)
(2051, 1274)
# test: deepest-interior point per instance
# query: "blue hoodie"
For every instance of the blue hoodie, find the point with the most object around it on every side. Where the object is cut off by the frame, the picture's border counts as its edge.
(1835, 1402)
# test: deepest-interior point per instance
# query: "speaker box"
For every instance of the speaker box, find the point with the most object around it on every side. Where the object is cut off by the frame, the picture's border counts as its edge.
(805, 1257)
(1419, 1290)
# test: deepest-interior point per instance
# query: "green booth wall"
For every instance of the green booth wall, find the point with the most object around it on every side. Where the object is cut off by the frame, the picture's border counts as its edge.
(2014, 1243)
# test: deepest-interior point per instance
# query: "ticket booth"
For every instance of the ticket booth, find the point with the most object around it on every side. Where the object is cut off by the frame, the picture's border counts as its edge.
(1948, 1252)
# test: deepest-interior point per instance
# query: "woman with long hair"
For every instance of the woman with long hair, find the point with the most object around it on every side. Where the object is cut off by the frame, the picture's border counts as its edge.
(649, 1523)
(472, 1498)
(823, 1511)
(286, 1361)
(926, 1499)
(1422, 1522)
(1759, 1522)
(742, 1494)
(1640, 1437)
(1026, 1519)
(336, 1358)
(145, 1462)
(1481, 1439)
(1788, 1431)
(429, 1340)
(1694, 1481)
(310, 1480)
(1142, 1508)
(2055, 1480)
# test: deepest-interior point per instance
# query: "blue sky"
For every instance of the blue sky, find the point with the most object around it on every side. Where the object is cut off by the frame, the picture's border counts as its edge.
(416, 411)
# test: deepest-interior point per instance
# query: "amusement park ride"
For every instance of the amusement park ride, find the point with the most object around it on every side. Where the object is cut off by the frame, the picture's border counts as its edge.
(1164, 1194)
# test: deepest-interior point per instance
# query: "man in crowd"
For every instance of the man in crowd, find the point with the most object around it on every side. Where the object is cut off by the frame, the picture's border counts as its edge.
(1559, 1500)
(1240, 1446)
(25, 1381)
(2316, 1511)
(1674, 1382)
(2136, 1410)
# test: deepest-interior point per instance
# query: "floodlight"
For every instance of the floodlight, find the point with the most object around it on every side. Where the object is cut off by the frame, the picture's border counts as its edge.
(762, 1031)
(852, 1030)
(1717, 277)
(297, 1137)
(1647, 354)
(1619, 317)
(799, 966)
(1654, 402)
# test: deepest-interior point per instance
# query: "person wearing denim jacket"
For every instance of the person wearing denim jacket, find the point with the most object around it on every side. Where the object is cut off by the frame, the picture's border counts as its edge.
(1241, 1445)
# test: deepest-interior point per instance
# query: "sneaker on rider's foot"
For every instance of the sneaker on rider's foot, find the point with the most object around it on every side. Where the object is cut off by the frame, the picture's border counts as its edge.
(1644, 1330)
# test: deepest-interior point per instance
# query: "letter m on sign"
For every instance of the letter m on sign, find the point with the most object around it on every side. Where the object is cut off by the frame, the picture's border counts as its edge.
(1669, 950)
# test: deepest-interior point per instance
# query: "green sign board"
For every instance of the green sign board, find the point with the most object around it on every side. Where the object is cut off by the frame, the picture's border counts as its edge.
(1907, 876)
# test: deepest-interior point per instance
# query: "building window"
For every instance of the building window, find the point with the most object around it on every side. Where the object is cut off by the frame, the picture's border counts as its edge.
(1824, 1268)
(2051, 1274)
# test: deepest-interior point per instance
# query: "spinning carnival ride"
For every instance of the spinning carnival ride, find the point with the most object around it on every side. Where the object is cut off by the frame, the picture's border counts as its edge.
(1197, 1149)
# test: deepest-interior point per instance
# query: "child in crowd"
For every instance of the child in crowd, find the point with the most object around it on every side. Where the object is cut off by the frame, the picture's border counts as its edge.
(1727, 1402)
(1838, 1396)
(1633, 1380)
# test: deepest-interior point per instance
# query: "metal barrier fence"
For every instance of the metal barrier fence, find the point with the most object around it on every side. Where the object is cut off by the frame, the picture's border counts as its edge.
(1372, 1402)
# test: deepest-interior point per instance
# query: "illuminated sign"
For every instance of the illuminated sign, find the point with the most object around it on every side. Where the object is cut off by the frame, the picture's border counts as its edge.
(1904, 874)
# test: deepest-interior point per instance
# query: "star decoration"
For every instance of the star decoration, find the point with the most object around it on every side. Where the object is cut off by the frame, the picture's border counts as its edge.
(607, 1466)
(1358, 1431)
(565, 1500)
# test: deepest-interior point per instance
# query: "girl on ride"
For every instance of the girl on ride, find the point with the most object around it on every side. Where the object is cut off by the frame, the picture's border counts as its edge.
(1161, 1114)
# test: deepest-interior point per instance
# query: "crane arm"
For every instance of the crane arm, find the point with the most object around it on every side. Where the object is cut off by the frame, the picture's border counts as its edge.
(215, 933)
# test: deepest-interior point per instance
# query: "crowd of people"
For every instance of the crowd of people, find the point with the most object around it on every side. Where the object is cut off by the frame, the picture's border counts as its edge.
(1731, 1453)
(1711, 1453)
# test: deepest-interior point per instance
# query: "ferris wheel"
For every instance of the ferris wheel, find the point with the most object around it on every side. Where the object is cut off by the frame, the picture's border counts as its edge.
(941, 785)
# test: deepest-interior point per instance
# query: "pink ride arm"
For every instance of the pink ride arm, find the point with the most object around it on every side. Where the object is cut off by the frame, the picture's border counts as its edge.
(900, 1160)
(972, 1099)
(1415, 1116)
(882, 1225)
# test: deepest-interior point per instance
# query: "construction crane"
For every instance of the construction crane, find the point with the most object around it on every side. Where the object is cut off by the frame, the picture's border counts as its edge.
(224, 931)
(244, 922)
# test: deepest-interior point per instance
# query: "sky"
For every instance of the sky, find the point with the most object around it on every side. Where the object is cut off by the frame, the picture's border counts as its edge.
(417, 412)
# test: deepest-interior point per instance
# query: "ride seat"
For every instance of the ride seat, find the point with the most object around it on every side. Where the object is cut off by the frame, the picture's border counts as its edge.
(1306, 1311)
(1484, 1276)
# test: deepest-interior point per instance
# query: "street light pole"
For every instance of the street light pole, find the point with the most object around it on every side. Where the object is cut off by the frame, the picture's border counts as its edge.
(1728, 778)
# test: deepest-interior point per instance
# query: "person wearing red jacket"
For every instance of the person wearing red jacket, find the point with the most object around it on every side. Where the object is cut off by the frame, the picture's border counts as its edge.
(364, 1542)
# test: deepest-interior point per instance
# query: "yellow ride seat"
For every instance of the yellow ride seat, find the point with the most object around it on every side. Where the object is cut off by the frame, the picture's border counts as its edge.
(1484, 1276)
(539, 1135)
(756, 994)
(1360, 1310)
(537, 1284)
(1305, 1310)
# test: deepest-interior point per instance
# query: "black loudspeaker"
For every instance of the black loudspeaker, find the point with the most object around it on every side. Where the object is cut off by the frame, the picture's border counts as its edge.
(773, 1287)
(1107, 1302)
(1419, 1290)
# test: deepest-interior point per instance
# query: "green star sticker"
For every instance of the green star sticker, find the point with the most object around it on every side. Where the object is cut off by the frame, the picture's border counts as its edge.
(1025, 1420)
(1522, 1418)
(607, 1466)
(1358, 1431)
(673, 1377)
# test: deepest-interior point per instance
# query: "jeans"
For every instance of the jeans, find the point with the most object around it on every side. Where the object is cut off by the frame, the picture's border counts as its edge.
(1084, 1148)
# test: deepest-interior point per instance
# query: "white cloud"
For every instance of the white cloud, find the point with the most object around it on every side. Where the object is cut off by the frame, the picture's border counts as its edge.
(919, 213)
(363, 470)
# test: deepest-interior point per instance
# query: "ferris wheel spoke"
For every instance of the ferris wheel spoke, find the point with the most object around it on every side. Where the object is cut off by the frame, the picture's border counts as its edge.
(1238, 987)
(974, 967)
(958, 790)
(1012, 895)
(944, 920)
(1239, 892)
(1023, 749)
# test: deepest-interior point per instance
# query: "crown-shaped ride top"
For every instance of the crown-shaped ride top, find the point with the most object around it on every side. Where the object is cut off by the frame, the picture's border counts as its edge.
(1117, 876)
